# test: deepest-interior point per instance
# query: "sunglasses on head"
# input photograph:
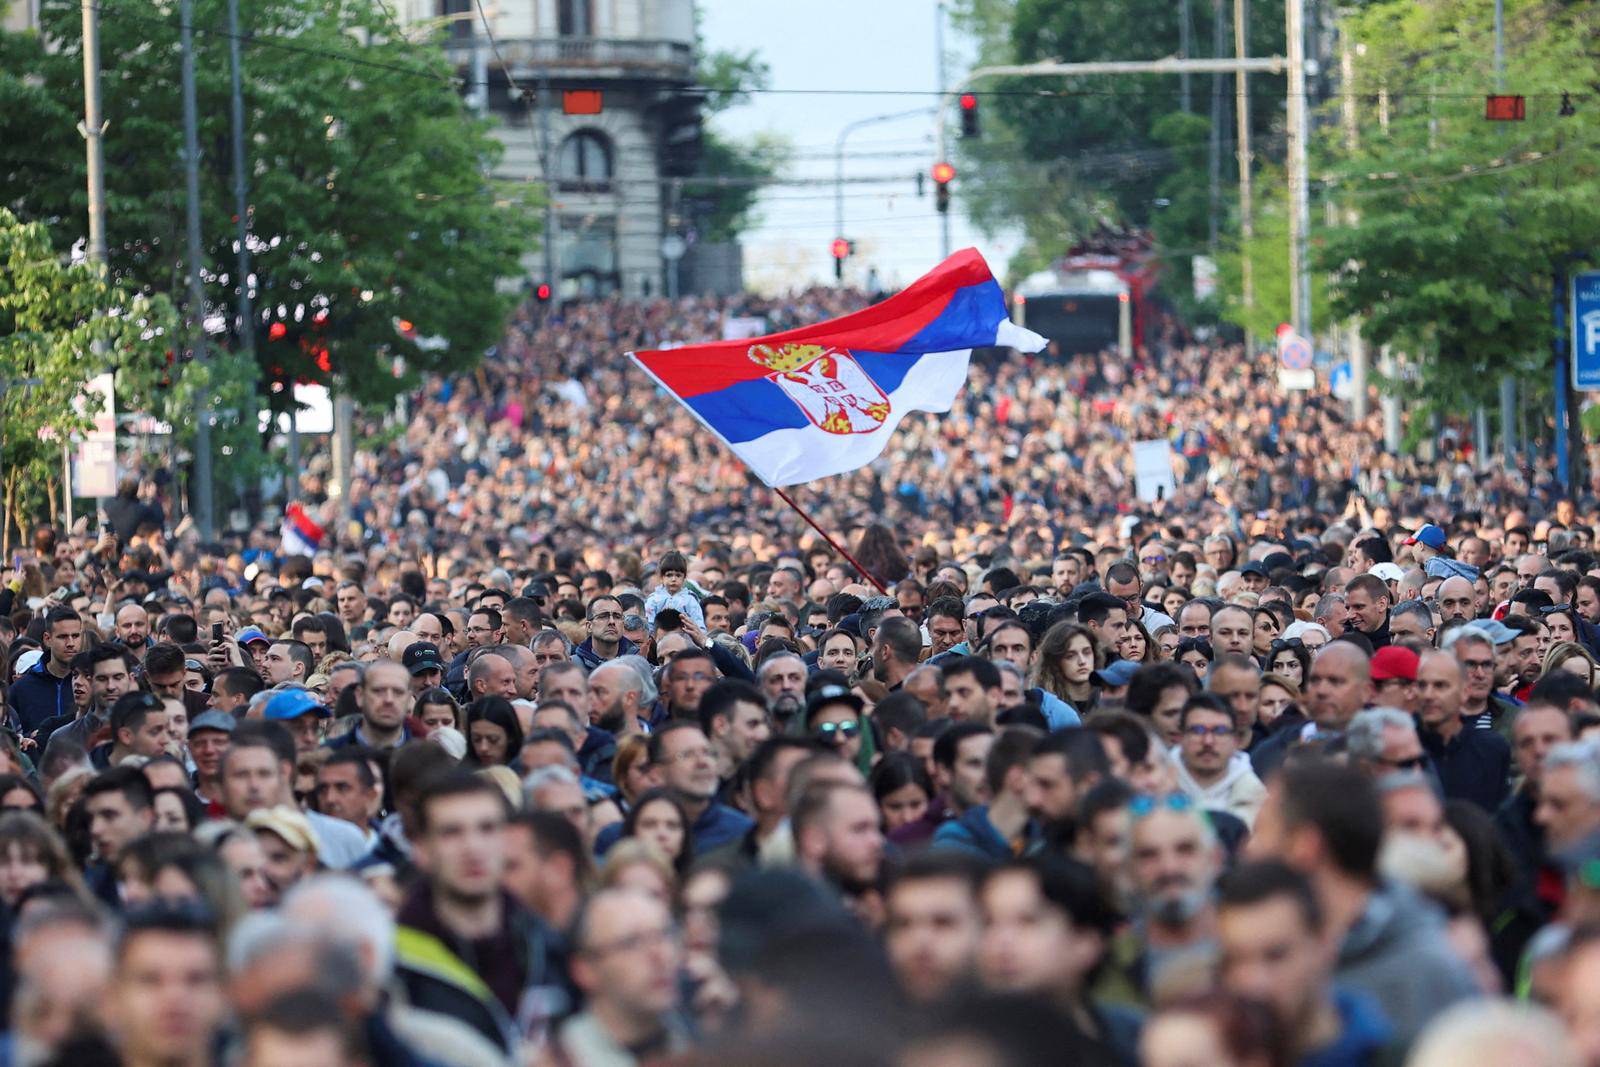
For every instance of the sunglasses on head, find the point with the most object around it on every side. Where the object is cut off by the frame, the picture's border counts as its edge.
(1195, 644)
(1143, 805)
(1293, 644)
(833, 733)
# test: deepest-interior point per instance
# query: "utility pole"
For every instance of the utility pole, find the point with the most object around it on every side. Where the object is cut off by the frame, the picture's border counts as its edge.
(1241, 101)
(1299, 196)
(1185, 48)
(938, 48)
(480, 61)
(547, 168)
(93, 129)
(1508, 384)
(1354, 342)
(1219, 30)
(197, 310)
(246, 330)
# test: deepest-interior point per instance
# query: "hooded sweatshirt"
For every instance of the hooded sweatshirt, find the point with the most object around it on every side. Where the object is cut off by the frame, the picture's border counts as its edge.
(1397, 953)
(1238, 792)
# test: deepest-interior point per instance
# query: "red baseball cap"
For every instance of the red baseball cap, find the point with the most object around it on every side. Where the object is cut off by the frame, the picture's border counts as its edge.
(1393, 662)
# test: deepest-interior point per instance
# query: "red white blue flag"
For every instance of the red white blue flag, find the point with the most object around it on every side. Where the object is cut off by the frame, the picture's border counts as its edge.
(824, 399)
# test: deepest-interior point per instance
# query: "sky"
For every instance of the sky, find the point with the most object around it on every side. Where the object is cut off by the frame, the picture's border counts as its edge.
(884, 45)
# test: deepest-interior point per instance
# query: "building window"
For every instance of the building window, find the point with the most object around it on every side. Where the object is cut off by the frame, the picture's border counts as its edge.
(588, 248)
(584, 164)
(461, 14)
(575, 18)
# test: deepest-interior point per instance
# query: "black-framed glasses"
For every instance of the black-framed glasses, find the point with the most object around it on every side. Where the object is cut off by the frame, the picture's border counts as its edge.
(1200, 733)
(1410, 763)
(836, 733)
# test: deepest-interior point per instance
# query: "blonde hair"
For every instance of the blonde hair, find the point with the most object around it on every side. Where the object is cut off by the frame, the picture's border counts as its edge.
(506, 779)
(1563, 651)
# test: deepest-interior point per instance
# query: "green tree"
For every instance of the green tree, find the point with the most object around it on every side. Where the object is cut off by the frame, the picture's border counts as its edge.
(724, 210)
(1458, 226)
(1059, 157)
(369, 196)
(51, 316)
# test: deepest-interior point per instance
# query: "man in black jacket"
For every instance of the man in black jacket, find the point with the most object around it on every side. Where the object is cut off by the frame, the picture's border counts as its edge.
(459, 919)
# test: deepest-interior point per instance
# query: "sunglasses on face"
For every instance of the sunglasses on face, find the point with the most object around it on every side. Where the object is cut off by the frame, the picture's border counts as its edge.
(836, 733)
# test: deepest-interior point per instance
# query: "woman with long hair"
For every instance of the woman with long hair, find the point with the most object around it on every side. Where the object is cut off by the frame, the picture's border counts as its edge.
(30, 853)
(1573, 657)
(659, 817)
(878, 552)
(494, 735)
(1067, 660)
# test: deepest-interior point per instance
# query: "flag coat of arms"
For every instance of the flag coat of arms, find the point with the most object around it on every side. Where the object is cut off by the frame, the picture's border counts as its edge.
(824, 399)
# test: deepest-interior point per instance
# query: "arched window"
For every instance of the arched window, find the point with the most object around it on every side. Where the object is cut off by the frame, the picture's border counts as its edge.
(584, 163)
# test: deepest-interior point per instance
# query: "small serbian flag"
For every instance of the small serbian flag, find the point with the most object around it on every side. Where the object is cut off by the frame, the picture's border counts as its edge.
(824, 399)
(301, 533)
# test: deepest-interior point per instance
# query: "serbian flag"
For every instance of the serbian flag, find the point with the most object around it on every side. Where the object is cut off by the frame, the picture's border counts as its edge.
(824, 399)
(301, 533)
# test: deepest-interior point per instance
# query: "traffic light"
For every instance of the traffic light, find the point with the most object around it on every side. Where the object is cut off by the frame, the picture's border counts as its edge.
(943, 174)
(969, 116)
(841, 249)
(542, 293)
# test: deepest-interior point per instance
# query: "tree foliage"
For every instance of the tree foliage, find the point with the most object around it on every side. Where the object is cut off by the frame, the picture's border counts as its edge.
(727, 79)
(369, 196)
(1059, 157)
(1458, 225)
(51, 316)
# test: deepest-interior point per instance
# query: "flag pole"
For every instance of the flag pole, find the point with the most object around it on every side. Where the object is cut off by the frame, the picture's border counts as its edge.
(837, 547)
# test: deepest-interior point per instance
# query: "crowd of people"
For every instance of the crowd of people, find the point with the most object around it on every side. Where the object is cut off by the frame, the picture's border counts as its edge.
(559, 743)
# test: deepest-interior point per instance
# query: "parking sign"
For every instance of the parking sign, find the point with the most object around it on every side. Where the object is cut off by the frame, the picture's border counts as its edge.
(1586, 330)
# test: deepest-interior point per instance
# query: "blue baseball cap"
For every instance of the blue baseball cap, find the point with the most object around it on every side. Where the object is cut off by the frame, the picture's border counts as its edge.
(291, 704)
(249, 634)
(1429, 535)
(1118, 672)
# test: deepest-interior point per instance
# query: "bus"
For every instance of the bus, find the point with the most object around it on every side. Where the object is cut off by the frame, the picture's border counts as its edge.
(1093, 299)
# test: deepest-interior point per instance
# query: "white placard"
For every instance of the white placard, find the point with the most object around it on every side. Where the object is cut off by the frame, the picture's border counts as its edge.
(1152, 470)
(95, 472)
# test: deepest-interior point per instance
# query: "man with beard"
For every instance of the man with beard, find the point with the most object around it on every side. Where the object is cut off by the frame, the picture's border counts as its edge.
(896, 650)
(1001, 828)
(605, 640)
(1062, 768)
(783, 678)
(618, 699)
(959, 757)
(837, 836)
(1173, 859)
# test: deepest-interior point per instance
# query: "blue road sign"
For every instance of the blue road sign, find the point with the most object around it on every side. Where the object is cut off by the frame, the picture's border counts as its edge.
(1586, 330)
(1340, 378)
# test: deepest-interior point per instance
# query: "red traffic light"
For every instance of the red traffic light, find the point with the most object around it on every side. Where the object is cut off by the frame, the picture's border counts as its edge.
(841, 248)
(543, 291)
(277, 331)
(943, 173)
(969, 102)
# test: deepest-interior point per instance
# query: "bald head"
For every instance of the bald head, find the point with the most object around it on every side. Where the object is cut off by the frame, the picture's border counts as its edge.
(1340, 685)
(1457, 599)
